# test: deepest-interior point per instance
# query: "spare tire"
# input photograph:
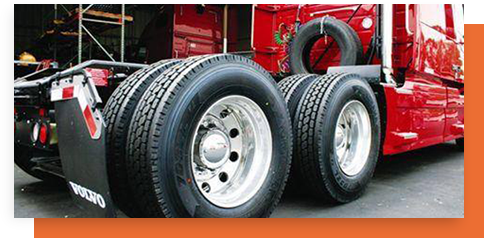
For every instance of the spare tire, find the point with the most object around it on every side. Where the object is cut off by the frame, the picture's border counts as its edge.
(347, 39)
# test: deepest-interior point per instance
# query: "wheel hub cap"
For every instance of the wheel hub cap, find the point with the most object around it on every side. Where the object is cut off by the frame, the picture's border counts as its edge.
(214, 149)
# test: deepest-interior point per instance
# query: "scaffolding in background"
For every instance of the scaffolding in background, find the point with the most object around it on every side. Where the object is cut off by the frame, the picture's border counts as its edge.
(90, 23)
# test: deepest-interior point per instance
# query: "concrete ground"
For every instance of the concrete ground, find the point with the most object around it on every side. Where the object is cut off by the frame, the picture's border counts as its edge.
(423, 183)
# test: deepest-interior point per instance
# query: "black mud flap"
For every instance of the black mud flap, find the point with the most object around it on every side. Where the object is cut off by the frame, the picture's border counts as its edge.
(82, 149)
(83, 161)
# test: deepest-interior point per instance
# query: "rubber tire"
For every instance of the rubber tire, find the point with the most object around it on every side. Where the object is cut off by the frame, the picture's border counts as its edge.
(118, 113)
(460, 144)
(293, 88)
(165, 120)
(347, 39)
(317, 118)
(23, 156)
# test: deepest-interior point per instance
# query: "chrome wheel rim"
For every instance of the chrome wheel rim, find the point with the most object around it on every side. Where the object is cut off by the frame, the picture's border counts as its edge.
(231, 151)
(352, 138)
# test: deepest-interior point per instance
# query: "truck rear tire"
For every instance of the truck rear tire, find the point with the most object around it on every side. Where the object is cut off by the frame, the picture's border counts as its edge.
(347, 39)
(293, 88)
(338, 137)
(23, 156)
(211, 137)
(118, 113)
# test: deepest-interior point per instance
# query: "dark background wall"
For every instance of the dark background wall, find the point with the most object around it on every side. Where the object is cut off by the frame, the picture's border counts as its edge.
(32, 20)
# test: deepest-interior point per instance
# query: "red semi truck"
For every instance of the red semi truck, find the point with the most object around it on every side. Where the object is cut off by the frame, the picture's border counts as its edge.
(206, 130)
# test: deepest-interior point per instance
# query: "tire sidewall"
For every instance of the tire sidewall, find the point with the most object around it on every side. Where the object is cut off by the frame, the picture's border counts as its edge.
(350, 88)
(194, 99)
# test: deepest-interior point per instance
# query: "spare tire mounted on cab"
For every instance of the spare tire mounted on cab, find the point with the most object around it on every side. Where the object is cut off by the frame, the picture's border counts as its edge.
(346, 38)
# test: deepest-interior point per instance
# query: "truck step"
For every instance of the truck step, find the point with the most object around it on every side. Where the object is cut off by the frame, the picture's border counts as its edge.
(406, 137)
(457, 129)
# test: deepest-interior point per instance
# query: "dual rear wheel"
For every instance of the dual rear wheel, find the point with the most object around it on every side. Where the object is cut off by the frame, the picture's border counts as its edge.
(212, 136)
(336, 127)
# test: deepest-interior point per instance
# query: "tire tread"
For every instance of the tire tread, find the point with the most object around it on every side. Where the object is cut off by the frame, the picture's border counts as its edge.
(118, 113)
(307, 162)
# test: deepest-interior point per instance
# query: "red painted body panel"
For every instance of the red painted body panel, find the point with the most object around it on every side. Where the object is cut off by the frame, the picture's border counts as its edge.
(430, 104)
(437, 47)
(419, 108)
(195, 33)
(180, 31)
